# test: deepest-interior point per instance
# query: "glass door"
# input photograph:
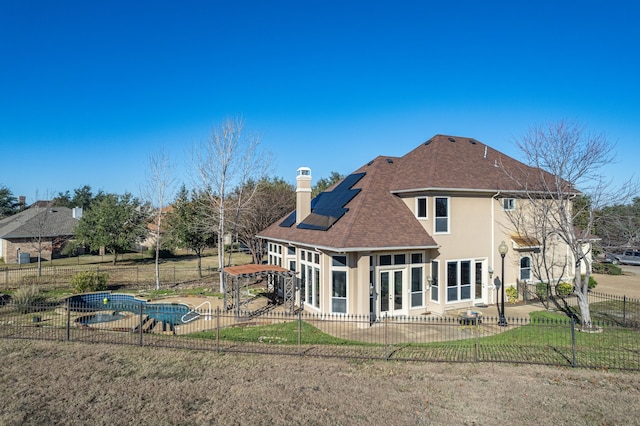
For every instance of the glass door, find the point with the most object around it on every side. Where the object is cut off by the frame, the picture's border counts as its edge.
(392, 300)
(478, 281)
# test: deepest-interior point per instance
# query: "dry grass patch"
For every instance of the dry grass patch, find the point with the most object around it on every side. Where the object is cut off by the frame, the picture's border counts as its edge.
(72, 383)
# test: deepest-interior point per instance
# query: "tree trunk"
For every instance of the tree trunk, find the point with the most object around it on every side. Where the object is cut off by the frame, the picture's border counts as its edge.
(582, 291)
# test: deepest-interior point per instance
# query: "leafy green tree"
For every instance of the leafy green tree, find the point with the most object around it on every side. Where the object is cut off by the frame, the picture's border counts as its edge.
(82, 197)
(187, 225)
(8, 203)
(325, 183)
(115, 223)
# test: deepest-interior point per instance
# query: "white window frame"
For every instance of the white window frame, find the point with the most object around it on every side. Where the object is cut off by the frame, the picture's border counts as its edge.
(436, 217)
(459, 284)
(310, 277)
(275, 254)
(341, 269)
(508, 204)
(521, 269)
(435, 281)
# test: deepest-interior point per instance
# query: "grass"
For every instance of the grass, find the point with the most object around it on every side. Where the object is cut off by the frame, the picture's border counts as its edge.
(285, 333)
(546, 339)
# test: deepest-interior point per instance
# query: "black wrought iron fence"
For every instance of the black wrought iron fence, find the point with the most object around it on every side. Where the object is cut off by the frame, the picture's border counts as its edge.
(134, 322)
(119, 276)
(621, 310)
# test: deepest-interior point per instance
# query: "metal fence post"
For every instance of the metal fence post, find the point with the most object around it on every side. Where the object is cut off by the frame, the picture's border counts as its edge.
(140, 323)
(385, 331)
(573, 342)
(624, 310)
(299, 330)
(477, 329)
(68, 325)
(218, 329)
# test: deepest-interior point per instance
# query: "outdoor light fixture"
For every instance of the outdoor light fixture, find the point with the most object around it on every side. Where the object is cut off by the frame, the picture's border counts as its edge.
(502, 249)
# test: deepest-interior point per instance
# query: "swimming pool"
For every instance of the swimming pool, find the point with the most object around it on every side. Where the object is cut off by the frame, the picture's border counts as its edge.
(169, 313)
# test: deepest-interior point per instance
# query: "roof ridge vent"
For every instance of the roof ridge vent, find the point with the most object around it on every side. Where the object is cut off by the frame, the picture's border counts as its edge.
(451, 139)
(428, 142)
(472, 142)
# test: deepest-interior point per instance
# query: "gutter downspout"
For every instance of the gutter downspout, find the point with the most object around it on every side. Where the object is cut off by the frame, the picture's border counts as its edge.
(494, 297)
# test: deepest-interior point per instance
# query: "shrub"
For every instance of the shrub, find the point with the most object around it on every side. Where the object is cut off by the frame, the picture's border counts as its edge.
(512, 294)
(70, 249)
(27, 299)
(606, 268)
(86, 281)
(163, 254)
(564, 289)
(542, 290)
(592, 282)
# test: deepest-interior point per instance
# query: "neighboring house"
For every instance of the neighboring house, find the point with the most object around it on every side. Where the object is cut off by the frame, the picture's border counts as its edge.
(39, 230)
(408, 235)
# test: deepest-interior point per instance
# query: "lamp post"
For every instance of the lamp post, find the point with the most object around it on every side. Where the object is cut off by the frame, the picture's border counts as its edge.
(502, 249)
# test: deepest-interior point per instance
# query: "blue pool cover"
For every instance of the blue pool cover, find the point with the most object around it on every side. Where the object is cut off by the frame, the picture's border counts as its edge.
(170, 313)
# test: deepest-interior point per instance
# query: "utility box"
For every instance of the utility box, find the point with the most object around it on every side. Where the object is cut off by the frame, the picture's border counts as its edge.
(24, 258)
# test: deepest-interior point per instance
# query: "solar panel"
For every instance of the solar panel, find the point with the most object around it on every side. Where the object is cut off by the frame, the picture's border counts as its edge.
(327, 207)
(290, 220)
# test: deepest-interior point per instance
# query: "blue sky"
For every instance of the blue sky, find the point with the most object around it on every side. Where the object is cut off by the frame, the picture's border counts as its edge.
(89, 90)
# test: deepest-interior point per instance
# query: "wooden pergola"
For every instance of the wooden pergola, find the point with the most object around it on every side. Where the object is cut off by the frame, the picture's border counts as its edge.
(237, 280)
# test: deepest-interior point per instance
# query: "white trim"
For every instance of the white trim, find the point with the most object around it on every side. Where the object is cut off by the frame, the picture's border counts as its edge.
(348, 249)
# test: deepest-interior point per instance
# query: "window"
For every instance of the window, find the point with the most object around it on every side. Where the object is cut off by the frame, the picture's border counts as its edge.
(421, 208)
(275, 254)
(416, 287)
(399, 259)
(508, 204)
(339, 292)
(441, 215)
(339, 284)
(339, 261)
(435, 266)
(459, 280)
(309, 279)
(525, 268)
(452, 281)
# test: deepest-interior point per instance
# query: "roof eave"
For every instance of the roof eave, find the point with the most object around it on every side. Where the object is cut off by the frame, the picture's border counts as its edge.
(350, 249)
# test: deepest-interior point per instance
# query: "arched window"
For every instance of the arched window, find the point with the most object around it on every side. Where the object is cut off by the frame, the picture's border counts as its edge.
(525, 268)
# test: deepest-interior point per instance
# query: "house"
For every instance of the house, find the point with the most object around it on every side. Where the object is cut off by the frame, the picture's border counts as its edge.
(40, 230)
(409, 235)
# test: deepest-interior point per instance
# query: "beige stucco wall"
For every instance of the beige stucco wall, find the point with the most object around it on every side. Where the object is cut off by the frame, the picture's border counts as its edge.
(477, 225)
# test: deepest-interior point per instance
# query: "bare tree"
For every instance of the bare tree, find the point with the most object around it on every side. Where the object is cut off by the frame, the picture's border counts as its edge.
(274, 198)
(567, 159)
(228, 159)
(159, 184)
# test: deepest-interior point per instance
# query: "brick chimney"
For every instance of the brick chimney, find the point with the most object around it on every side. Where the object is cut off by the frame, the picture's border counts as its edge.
(303, 194)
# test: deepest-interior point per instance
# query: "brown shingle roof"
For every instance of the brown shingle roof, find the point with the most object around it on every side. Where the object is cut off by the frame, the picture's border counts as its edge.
(454, 162)
(378, 218)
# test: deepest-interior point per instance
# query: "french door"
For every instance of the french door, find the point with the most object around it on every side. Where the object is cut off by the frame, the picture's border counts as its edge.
(392, 293)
